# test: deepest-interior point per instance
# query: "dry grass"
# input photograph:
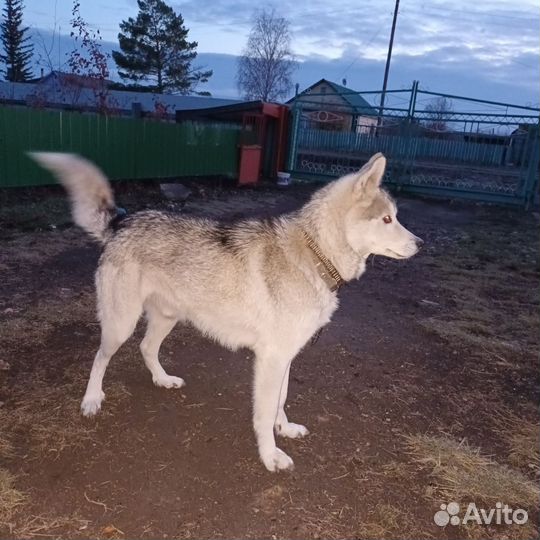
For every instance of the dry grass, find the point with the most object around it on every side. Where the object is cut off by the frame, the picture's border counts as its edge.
(49, 417)
(34, 323)
(50, 527)
(487, 302)
(462, 473)
(6, 448)
(10, 498)
(522, 437)
(486, 286)
(41, 419)
(527, 531)
(524, 447)
(469, 331)
(389, 521)
(323, 523)
(382, 522)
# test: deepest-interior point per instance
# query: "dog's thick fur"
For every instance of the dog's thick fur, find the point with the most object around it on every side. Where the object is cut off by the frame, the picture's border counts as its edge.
(251, 284)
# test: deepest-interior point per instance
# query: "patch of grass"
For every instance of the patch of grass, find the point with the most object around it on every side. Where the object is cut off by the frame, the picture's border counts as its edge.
(49, 418)
(487, 278)
(10, 499)
(462, 473)
(51, 527)
(522, 437)
(469, 332)
(527, 531)
(524, 447)
(34, 323)
(384, 521)
(389, 521)
(6, 448)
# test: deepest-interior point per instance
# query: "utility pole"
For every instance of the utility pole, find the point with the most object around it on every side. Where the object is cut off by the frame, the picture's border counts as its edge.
(387, 68)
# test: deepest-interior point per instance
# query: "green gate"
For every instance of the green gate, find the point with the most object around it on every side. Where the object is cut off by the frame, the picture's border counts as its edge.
(436, 144)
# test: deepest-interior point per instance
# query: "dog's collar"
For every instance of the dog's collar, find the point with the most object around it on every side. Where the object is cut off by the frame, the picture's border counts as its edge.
(328, 272)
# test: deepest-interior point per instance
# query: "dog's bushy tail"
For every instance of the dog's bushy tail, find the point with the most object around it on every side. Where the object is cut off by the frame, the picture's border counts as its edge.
(91, 195)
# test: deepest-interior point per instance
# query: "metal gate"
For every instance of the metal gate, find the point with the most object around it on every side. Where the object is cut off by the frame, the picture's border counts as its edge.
(436, 144)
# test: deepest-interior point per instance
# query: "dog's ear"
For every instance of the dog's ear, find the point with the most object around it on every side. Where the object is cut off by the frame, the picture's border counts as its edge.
(369, 177)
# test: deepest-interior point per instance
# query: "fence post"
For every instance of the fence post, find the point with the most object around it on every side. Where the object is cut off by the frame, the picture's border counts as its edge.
(408, 161)
(412, 101)
(293, 140)
(531, 179)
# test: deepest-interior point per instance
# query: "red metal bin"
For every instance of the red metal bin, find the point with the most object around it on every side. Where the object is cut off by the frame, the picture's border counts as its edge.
(250, 164)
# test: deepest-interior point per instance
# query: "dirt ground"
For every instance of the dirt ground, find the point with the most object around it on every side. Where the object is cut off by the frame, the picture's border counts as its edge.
(422, 391)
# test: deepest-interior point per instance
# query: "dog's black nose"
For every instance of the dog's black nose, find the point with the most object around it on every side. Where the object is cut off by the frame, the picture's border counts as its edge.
(419, 243)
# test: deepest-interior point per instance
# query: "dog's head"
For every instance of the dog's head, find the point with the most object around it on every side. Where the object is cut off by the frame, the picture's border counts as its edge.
(371, 224)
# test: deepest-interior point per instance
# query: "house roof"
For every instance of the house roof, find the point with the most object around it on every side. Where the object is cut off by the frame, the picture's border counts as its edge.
(49, 90)
(16, 92)
(233, 113)
(353, 98)
(74, 79)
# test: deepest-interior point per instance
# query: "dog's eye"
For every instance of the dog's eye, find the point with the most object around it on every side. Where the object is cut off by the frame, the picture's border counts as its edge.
(387, 219)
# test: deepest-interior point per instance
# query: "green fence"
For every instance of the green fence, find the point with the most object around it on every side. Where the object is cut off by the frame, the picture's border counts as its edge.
(400, 146)
(124, 148)
(436, 144)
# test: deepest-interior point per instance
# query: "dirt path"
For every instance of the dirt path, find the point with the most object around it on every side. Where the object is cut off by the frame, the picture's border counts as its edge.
(443, 346)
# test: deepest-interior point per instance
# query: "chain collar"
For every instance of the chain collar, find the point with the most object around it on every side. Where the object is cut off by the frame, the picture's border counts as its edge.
(324, 266)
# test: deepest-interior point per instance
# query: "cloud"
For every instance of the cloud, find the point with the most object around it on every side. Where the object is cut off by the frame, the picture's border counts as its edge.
(486, 49)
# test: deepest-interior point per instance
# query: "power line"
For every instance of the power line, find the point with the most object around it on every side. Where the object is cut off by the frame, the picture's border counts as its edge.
(365, 44)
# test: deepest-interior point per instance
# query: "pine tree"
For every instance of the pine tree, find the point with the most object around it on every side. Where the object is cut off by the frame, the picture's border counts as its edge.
(15, 42)
(155, 50)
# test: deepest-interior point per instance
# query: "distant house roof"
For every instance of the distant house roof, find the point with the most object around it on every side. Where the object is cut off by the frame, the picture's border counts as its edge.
(353, 98)
(72, 79)
(15, 91)
(66, 90)
(231, 113)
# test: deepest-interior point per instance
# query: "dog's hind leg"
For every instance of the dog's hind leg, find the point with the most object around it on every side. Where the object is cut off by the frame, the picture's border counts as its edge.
(118, 312)
(116, 328)
(158, 328)
(282, 426)
(270, 372)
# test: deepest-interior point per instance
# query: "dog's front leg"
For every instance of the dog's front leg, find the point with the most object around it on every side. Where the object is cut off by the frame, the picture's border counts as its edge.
(270, 374)
(282, 426)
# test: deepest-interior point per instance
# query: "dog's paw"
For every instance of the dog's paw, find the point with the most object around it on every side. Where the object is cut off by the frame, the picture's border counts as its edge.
(293, 431)
(92, 404)
(169, 381)
(277, 460)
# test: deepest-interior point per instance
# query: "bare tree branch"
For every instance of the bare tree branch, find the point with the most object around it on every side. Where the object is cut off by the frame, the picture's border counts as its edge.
(265, 69)
(439, 109)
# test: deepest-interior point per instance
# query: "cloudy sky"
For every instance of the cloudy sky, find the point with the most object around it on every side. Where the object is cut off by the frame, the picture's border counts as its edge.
(487, 49)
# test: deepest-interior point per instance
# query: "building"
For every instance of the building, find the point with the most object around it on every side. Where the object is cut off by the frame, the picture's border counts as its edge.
(333, 107)
(59, 90)
(263, 134)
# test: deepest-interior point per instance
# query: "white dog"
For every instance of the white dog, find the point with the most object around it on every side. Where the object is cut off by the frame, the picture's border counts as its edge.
(266, 285)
